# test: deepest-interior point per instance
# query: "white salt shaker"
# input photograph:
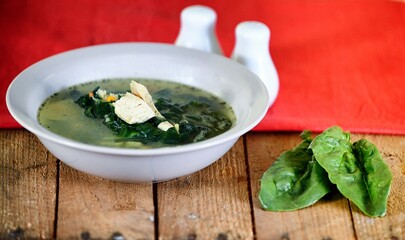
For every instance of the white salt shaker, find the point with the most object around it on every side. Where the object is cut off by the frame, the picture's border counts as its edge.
(197, 29)
(252, 50)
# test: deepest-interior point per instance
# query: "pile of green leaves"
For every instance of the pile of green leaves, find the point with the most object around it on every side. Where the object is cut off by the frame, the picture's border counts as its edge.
(196, 121)
(301, 176)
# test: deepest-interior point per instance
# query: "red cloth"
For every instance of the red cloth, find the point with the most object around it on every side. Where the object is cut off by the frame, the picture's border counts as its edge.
(339, 62)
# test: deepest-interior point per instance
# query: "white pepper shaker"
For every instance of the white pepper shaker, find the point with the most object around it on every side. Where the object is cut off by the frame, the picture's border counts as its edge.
(197, 29)
(252, 50)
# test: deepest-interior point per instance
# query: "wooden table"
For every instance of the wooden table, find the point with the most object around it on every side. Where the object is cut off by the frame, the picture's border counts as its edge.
(42, 198)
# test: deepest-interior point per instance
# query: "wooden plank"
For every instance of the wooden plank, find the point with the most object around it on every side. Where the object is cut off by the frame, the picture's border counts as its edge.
(329, 218)
(94, 208)
(28, 187)
(210, 204)
(391, 226)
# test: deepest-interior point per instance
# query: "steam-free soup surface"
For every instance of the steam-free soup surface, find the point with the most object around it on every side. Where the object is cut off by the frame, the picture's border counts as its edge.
(61, 115)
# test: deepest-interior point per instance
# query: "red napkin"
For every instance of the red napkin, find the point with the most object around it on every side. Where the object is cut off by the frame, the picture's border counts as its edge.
(339, 62)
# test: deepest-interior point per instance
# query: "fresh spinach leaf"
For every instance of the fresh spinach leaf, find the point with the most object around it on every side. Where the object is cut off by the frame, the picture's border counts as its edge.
(295, 180)
(301, 176)
(377, 177)
(353, 169)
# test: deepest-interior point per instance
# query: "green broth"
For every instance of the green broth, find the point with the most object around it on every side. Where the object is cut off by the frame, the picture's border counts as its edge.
(61, 115)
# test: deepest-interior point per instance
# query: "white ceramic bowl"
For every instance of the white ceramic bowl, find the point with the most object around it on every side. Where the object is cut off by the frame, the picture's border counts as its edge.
(223, 77)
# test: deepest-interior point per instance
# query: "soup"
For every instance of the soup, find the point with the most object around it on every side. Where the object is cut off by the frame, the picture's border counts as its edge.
(89, 113)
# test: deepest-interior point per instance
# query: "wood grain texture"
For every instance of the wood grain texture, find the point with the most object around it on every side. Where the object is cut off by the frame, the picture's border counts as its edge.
(90, 207)
(215, 203)
(210, 204)
(28, 187)
(329, 218)
(392, 225)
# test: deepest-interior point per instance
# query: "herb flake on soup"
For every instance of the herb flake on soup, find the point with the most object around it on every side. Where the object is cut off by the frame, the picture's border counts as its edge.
(137, 113)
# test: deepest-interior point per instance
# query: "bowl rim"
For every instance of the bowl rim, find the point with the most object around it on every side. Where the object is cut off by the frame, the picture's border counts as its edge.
(43, 133)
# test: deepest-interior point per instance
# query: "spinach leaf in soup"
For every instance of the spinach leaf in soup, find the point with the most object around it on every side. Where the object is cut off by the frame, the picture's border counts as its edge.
(358, 171)
(295, 180)
(195, 121)
(208, 121)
